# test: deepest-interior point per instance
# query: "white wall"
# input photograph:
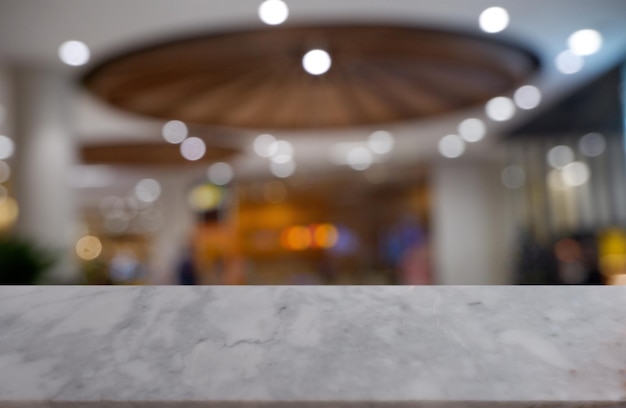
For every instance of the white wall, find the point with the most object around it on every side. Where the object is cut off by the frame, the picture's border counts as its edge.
(170, 242)
(44, 157)
(471, 224)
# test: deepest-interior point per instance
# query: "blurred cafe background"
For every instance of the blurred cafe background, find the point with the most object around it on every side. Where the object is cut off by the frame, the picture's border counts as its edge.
(312, 142)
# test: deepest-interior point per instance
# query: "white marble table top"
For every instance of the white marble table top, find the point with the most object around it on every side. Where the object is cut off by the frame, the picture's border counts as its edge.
(284, 346)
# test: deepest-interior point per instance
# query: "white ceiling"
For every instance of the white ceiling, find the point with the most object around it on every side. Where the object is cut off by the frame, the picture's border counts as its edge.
(32, 30)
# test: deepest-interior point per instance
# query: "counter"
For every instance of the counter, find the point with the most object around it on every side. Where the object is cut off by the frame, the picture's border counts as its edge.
(367, 346)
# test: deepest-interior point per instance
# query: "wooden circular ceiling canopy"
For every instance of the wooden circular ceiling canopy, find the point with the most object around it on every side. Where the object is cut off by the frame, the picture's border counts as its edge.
(255, 79)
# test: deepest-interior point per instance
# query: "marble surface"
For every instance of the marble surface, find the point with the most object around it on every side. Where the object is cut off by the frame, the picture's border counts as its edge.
(273, 346)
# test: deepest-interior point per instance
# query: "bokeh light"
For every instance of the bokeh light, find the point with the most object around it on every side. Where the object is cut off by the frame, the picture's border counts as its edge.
(325, 235)
(451, 146)
(585, 42)
(4, 194)
(612, 252)
(265, 145)
(112, 207)
(555, 180)
(205, 197)
(493, 20)
(88, 247)
(380, 142)
(148, 190)
(8, 212)
(296, 238)
(500, 108)
(5, 171)
(347, 242)
(592, 144)
(316, 62)
(273, 12)
(376, 174)
(359, 158)
(282, 170)
(174, 131)
(74, 53)
(527, 97)
(193, 148)
(576, 174)
(513, 177)
(472, 130)
(617, 280)
(283, 152)
(568, 63)
(220, 173)
(130, 208)
(560, 156)
(7, 147)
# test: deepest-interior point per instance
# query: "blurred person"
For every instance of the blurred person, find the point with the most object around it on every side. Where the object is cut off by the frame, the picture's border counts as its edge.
(406, 248)
(217, 254)
(186, 271)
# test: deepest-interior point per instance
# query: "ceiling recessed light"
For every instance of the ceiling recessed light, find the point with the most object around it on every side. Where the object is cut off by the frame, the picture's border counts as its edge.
(560, 156)
(273, 12)
(527, 97)
(174, 131)
(585, 42)
(493, 20)
(193, 148)
(359, 158)
(265, 145)
(7, 147)
(500, 109)
(74, 53)
(451, 146)
(282, 170)
(316, 62)
(569, 63)
(472, 130)
(220, 173)
(283, 152)
(380, 142)
(148, 190)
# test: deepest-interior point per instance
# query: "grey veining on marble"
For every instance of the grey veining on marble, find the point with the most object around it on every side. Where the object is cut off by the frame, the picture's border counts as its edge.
(344, 344)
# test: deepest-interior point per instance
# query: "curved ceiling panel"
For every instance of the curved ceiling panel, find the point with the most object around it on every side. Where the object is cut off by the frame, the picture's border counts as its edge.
(147, 154)
(255, 79)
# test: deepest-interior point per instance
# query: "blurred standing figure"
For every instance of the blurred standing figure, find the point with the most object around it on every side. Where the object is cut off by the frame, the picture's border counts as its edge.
(186, 268)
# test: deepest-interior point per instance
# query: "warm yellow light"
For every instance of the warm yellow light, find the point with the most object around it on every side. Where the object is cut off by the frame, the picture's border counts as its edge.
(296, 238)
(88, 247)
(205, 197)
(613, 241)
(617, 280)
(325, 235)
(612, 252)
(8, 212)
(613, 264)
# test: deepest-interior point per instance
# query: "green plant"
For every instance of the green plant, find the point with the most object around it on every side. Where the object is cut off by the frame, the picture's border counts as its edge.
(22, 262)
